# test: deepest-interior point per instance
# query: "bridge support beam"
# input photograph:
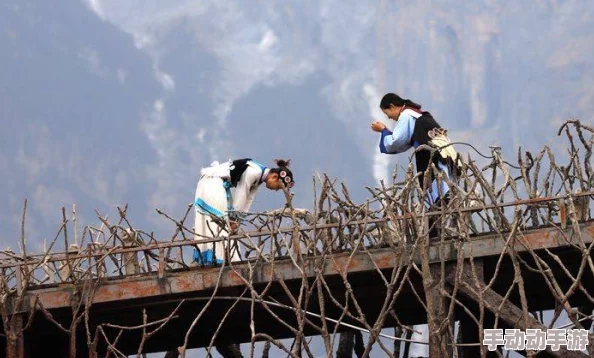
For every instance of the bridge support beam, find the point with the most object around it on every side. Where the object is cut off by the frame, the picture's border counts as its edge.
(15, 340)
(434, 281)
(477, 290)
(439, 323)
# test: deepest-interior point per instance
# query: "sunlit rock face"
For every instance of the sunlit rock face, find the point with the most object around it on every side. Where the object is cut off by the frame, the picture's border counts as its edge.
(104, 103)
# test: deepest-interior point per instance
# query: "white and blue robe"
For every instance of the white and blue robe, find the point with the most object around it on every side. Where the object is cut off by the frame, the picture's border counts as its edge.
(400, 140)
(211, 201)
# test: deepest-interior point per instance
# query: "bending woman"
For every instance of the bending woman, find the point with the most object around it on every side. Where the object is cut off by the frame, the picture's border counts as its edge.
(414, 128)
(223, 191)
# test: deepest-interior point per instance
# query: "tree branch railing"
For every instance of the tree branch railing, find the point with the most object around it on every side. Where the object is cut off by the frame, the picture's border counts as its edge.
(495, 198)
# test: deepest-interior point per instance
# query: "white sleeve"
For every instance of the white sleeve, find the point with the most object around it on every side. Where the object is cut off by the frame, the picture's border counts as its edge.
(250, 198)
(246, 189)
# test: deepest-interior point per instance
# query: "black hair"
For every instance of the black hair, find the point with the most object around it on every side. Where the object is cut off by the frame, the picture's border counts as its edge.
(392, 98)
(283, 171)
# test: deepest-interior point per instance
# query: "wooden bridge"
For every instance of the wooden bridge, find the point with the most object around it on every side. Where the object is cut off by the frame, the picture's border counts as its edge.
(262, 291)
(488, 259)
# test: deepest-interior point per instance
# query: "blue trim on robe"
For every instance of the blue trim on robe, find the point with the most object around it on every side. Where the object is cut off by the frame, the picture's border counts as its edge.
(206, 258)
(227, 186)
(207, 209)
(385, 132)
(233, 214)
(262, 167)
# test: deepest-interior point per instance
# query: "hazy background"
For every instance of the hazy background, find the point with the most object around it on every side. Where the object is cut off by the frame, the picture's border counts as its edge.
(108, 102)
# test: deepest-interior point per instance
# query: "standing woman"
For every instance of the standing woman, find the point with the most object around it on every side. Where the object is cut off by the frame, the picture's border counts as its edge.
(414, 128)
(223, 191)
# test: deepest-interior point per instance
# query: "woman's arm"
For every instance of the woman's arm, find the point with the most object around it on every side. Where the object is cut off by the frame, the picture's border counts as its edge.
(246, 189)
(398, 141)
(249, 199)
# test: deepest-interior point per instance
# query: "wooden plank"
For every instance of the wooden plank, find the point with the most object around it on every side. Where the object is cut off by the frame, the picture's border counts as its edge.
(199, 279)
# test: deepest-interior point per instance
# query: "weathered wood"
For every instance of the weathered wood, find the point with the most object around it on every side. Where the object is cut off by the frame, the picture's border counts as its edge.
(507, 311)
(130, 260)
(15, 345)
(586, 310)
(229, 350)
(433, 283)
(359, 345)
(397, 333)
(266, 350)
(101, 268)
(407, 335)
(161, 269)
(349, 342)
(171, 354)
(469, 332)
(346, 344)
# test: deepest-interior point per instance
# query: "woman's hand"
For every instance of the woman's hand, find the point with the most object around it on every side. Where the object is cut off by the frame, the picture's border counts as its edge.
(234, 225)
(378, 126)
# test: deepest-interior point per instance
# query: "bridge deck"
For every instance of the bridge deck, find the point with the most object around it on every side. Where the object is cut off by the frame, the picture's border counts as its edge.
(121, 301)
